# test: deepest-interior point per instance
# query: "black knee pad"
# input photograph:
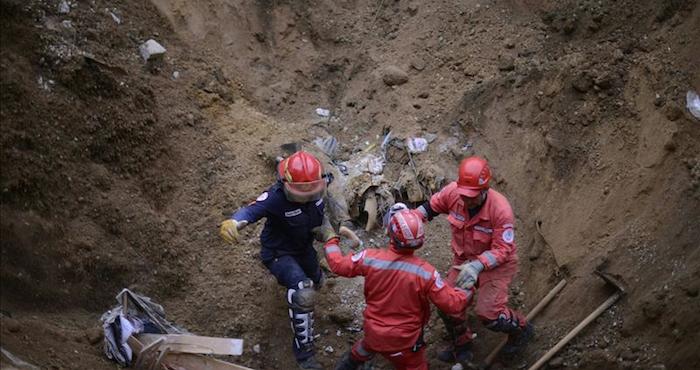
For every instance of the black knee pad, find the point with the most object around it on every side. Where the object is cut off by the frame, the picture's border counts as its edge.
(303, 297)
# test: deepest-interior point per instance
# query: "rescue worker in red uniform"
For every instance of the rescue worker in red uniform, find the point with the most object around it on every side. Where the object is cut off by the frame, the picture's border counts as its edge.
(398, 289)
(484, 256)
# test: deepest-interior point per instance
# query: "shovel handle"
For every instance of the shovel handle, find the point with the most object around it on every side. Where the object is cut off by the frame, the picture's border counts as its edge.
(613, 298)
(544, 302)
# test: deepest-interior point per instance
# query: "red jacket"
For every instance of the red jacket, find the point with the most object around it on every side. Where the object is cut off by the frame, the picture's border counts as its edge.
(489, 236)
(398, 288)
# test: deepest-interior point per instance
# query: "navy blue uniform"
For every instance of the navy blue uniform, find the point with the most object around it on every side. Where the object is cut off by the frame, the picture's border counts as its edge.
(287, 250)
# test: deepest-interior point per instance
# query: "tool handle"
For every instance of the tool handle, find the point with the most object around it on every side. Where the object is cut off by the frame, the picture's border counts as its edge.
(544, 302)
(613, 298)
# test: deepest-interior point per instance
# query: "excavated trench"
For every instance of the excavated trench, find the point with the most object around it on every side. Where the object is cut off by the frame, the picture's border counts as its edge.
(579, 106)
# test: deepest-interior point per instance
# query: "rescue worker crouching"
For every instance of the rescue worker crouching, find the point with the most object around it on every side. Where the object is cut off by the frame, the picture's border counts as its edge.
(294, 209)
(398, 290)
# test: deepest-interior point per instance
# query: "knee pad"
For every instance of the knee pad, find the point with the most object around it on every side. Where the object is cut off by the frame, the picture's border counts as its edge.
(302, 298)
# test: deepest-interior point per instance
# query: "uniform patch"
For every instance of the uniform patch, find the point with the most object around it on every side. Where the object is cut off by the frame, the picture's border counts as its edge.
(508, 236)
(293, 213)
(438, 280)
(262, 197)
(357, 256)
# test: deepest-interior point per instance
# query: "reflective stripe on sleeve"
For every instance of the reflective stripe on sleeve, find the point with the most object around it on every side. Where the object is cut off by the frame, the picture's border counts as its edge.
(398, 266)
(490, 258)
(332, 249)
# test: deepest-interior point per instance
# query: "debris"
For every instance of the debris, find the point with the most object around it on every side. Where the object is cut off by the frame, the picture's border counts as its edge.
(151, 48)
(457, 366)
(693, 103)
(115, 18)
(256, 348)
(418, 64)
(16, 361)
(506, 64)
(393, 76)
(12, 325)
(416, 144)
(63, 7)
(323, 112)
(328, 349)
(327, 144)
(176, 75)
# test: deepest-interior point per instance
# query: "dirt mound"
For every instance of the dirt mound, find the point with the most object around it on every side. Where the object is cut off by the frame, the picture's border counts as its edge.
(115, 172)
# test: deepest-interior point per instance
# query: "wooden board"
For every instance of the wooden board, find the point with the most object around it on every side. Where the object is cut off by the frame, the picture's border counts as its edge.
(185, 343)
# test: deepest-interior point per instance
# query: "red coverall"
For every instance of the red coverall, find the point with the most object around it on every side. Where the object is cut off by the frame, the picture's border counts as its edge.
(488, 237)
(398, 288)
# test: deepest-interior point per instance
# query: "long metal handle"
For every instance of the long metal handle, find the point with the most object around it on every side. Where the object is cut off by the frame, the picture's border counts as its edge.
(544, 302)
(613, 298)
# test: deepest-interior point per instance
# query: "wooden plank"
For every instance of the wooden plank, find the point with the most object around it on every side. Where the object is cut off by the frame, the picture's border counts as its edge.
(185, 343)
(198, 362)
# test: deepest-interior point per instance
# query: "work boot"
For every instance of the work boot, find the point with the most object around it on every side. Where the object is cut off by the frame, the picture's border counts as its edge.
(518, 339)
(309, 363)
(453, 354)
(346, 362)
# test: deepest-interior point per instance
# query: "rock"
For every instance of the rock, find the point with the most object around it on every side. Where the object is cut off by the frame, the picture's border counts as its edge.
(12, 325)
(605, 80)
(506, 64)
(691, 291)
(581, 83)
(556, 362)
(628, 355)
(63, 7)
(341, 316)
(151, 49)
(424, 95)
(329, 349)
(256, 348)
(418, 64)
(393, 76)
(412, 9)
(509, 43)
(94, 335)
(618, 55)
(673, 112)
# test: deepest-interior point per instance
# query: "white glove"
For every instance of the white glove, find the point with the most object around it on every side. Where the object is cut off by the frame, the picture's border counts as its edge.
(469, 273)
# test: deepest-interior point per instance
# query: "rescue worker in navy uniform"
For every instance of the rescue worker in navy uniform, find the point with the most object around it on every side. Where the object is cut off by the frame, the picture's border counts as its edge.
(294, 210)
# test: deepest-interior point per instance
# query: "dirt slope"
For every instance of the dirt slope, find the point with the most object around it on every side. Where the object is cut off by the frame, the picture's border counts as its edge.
(115, 173)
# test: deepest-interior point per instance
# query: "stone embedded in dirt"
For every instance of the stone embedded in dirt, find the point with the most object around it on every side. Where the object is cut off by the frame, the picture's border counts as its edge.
(63, 7)
(341, 316)
(509, 43)
(628, 355)
(256, 348)
(151, 49)
(581, 83)
(418, 64)
(673, 112)
(12, 325)
(393, 76)
(556, 362)
(412, 8)
(605, 80)
(506, 64)
(424, 95)
(94, 335)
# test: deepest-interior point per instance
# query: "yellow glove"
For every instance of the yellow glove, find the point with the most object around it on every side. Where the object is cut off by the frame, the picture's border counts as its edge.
(229, 231)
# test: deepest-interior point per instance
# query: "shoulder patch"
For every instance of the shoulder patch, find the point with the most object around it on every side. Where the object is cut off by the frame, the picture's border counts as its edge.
(438, 280)
(262, 197)
(508, 236)
(358, 256)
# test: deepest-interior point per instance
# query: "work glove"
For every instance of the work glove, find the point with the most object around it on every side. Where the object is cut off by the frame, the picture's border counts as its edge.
(324, 232)
(229, 230)
(469, 273)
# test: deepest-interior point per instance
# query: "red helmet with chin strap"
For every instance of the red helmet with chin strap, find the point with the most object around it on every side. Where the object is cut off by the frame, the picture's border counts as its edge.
(302, 176)
(406, 230)
(474, 176)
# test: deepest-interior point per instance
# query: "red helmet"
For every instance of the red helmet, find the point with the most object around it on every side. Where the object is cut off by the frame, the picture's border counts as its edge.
(474, 176)
(302, 176)
(406, 230)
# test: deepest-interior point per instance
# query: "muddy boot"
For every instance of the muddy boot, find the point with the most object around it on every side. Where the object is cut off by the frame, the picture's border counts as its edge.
(518, 339)
(461, 353)
(310, 363)
(346, 362)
